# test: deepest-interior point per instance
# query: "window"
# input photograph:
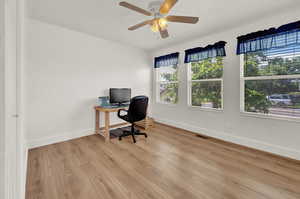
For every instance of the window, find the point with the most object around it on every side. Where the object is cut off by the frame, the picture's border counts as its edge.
(205, 75)
(271, 82)
(206, 83)
(270, 71)
(167, 84)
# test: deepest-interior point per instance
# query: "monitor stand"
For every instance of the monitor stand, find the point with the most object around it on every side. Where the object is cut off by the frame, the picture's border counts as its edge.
(122, 105)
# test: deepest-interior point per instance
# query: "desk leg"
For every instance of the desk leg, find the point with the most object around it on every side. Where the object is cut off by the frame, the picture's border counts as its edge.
(97, 122)
(107, 134)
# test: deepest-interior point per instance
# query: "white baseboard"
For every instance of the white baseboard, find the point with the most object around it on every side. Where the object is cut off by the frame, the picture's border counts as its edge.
(282, 151)
(56, 139)
(61, 138)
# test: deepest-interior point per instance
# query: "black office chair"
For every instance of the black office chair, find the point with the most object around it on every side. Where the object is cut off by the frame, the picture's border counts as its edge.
(137, 111)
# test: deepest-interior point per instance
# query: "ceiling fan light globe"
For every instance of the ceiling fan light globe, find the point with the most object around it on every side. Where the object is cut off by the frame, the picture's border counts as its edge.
(163, 23)
(154, 27)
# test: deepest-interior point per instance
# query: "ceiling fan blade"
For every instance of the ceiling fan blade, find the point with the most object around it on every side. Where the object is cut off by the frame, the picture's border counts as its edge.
(167, 6)
(135, 8)
(163, 33)
(182, 19)
(140, 24)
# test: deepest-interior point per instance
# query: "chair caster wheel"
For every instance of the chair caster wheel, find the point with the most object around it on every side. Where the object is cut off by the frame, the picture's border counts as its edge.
(146, 136)
(120, 138)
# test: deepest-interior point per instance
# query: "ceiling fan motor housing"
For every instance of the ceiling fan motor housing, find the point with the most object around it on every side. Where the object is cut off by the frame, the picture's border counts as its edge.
(154, 7)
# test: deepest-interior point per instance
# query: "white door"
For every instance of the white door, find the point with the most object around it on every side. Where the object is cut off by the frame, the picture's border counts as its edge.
(2, 136)
(10, 98)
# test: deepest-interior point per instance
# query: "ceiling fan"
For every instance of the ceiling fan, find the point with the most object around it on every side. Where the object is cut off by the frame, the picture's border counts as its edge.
(159, 10)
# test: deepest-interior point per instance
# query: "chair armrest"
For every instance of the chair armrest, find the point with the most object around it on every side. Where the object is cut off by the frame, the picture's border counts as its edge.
(119, 112)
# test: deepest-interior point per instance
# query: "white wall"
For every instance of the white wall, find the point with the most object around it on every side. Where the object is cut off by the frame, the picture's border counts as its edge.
(65, 73)
(273, 135)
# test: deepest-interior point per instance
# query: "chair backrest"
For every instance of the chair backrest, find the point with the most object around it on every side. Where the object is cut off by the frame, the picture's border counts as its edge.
(138, 108)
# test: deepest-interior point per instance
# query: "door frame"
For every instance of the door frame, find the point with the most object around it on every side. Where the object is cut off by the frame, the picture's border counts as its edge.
(15, 145)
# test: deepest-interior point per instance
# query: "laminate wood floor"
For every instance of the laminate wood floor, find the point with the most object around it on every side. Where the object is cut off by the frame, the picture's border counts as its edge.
(170, 163)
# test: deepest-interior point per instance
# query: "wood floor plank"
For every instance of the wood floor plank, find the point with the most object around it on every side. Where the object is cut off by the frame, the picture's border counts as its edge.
(170, 164)
(238, 168)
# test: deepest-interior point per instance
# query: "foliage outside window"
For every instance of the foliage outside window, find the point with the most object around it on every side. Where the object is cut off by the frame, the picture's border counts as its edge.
(271, 83)
(167, 84)
(206, 83)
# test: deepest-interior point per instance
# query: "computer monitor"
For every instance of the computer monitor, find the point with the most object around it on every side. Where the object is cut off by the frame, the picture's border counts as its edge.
(119, 95)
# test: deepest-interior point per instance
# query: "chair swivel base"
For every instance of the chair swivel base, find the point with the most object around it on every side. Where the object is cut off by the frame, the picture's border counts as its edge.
(130, 133)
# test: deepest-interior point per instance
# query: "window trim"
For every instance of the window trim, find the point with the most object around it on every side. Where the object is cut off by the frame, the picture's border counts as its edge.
(157, 87)
(242, 94)
(270, 116)
(189, 89)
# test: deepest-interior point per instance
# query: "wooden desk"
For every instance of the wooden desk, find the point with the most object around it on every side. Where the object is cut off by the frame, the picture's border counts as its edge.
(107, 111)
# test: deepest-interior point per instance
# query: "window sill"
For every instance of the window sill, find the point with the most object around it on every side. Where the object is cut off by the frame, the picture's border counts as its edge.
(206, 109)
(167, 104)
(270, 117)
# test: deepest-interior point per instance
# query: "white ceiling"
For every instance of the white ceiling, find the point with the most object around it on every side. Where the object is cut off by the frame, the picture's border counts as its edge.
(106, 19)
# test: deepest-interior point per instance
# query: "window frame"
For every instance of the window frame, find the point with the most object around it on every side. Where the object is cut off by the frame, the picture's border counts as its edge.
(189, 88)
(158, 83)
(243, 79)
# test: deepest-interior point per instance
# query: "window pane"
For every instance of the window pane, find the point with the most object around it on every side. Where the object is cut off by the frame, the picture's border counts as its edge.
(278, 97)
(207, 94)
(265, 63)
(169, 73)
(210, 68)
(169, 93)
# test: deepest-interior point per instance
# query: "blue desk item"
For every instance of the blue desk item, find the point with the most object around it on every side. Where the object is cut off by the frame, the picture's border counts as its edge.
(103, 101)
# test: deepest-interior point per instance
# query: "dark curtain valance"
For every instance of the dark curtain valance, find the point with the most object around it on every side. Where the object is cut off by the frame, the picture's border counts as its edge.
(285, 36)
(210, 51)
(166, 60)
